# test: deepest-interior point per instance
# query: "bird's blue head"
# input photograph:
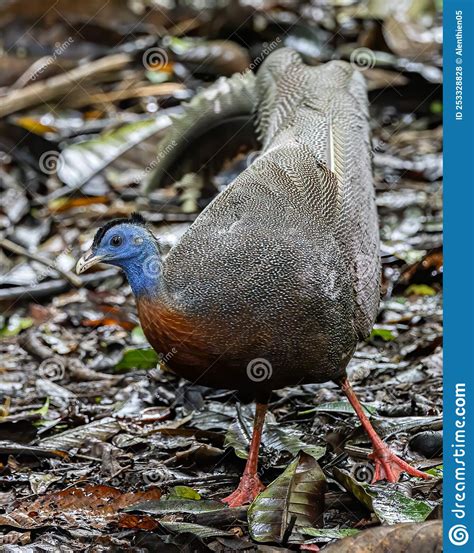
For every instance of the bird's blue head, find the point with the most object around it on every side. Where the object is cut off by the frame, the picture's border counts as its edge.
(130, 245)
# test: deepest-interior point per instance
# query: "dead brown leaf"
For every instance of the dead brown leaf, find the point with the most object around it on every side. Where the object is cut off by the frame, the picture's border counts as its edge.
(99, 503)
(401, 538)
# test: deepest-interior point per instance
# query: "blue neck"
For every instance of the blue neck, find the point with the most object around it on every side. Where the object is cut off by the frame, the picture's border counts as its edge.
(144, 272)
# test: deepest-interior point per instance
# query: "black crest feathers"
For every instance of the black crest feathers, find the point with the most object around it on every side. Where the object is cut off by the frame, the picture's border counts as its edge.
(135, 219)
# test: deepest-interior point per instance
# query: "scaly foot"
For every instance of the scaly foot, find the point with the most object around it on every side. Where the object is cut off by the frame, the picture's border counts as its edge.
(389, 467)
(247, 490)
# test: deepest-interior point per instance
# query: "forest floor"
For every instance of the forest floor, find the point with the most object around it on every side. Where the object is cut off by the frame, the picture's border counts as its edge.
(100, 450)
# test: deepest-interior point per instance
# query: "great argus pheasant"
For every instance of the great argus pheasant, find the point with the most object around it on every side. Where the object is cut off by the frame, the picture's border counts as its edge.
(278, 278)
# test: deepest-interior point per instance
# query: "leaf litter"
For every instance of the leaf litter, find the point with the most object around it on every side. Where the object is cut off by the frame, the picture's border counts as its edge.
(99, 448)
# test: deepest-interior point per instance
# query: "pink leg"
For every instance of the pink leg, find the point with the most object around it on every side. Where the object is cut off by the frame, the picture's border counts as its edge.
(250, 485)
(387, 465)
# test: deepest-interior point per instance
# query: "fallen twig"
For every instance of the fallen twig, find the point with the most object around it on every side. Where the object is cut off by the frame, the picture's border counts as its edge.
(20, 250)
(51, 287)
(59, 85)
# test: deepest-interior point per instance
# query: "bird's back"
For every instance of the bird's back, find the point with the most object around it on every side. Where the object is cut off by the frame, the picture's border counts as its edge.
(325, 110)
(284, 263)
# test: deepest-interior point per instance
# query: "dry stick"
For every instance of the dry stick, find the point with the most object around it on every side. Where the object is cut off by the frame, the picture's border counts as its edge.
(19, 250)
(32, 71)
(59, 85)
(52, 287)
(164, 89)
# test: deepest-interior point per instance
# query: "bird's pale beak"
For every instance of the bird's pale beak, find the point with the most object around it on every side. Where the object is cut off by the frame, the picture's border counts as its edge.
(87, 261)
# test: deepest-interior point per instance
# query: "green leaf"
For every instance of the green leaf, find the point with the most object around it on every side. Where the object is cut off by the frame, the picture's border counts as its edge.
(342, 406)
(42, 410)
(410, 257)
(394, 507)
(436, 107)
(138, 336)
(330, 533)
(420, 290)
(15, 325)
(296, 496)
(397, 425)
(384, 333)
(184, 492)
(437, 471)
(158, 77)
(356, 488)
(279, 438)
(315, 451)
(196, 529)
(138, 359)
(275, 438)
(81, 161)
(389, 505)
(177, 506)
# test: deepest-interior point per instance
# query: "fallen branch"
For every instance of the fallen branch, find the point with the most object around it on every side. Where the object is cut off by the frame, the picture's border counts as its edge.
(20, 250)
(163, 89)
(51, 287)
(60, 85)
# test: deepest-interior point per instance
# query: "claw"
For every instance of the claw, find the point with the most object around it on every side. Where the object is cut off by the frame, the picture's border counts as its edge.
(389, 467)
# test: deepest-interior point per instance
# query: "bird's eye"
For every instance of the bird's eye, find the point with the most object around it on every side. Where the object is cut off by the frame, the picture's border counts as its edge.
(116, 240)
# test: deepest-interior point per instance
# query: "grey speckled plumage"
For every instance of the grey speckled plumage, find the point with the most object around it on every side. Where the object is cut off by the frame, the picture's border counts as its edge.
(284, 264)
